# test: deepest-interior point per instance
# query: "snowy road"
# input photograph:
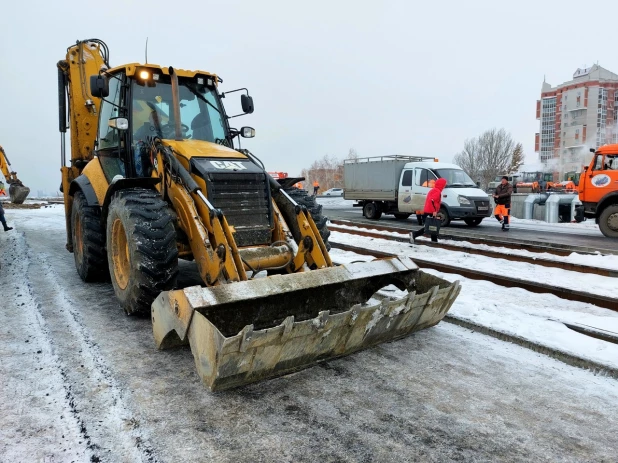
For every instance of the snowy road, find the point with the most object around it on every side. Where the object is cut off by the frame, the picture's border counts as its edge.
(80, 381)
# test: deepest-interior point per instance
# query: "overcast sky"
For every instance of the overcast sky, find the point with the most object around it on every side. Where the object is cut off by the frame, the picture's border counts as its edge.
(381, 77)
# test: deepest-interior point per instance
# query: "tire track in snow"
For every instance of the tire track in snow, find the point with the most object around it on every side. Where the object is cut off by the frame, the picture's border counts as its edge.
(97, 402)
(36, 406)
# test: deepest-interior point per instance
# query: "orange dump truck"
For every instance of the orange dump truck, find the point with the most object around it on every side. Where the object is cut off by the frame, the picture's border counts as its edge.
(598, 189)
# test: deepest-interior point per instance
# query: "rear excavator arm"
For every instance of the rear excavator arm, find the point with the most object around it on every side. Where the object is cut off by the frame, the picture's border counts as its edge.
(17, 191)
(79, 112)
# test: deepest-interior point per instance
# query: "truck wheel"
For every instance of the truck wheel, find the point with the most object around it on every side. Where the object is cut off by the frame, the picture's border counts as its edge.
(372, 211)
(402, 216)
(88, 240)
(142, 253)
(444, 217)
(473, 222)
(608, 221)
(315, 209)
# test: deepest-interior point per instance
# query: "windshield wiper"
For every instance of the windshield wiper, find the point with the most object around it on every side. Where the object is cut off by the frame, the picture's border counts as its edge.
(201, 97)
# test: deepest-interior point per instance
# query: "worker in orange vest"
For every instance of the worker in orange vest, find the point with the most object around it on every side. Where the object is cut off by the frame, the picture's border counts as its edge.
(316, 187)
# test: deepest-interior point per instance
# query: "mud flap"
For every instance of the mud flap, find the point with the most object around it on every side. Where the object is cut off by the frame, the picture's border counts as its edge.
(251, 330)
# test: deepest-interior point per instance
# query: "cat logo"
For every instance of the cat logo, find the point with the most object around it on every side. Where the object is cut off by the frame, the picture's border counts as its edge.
(228, 165)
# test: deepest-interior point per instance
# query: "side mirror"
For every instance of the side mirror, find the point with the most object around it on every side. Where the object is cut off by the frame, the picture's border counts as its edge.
(119, 123)
(247, 132)
(247, 104)
(99, 87)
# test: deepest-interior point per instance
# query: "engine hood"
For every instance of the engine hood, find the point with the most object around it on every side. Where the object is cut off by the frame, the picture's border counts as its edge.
(202, 149)
(468, 192)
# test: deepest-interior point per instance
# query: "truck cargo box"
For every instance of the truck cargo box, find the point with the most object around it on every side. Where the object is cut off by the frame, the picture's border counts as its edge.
(375, 178)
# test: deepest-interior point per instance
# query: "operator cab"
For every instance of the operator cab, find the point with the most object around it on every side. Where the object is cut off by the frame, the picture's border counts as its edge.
(138, 106)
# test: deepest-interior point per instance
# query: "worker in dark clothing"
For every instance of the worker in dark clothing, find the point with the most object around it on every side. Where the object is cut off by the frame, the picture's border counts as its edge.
(432, 206)
(3, 220)
(502, 197)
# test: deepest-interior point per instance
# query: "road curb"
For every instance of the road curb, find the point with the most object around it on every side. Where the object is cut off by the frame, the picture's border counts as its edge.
(570, 359)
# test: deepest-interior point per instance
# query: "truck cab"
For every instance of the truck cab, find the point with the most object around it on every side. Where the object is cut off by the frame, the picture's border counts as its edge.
(462, 199)
(598, 189)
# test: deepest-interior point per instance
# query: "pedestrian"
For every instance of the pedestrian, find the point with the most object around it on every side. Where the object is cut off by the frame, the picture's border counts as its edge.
(432, 206)
(502, 197)
(3, 220)
(316, 187)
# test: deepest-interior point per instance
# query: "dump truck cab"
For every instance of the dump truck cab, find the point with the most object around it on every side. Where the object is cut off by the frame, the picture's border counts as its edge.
(598, 189)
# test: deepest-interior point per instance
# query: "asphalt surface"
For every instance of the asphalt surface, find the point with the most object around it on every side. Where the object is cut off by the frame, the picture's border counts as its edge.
(443, 394)
(539, 233)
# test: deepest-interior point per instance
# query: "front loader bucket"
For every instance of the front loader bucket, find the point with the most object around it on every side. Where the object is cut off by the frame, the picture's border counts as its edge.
(247, 331)
(18, 193)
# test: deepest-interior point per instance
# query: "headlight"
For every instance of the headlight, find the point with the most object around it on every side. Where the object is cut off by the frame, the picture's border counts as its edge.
(463, 200)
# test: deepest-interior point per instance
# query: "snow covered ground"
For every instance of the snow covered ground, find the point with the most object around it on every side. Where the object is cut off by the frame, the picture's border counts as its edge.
(536, 317)
(71, 391)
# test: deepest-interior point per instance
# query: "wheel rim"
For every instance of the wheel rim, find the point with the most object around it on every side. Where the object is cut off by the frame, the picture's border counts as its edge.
(120, 254)
(78, 242)
(612, 221)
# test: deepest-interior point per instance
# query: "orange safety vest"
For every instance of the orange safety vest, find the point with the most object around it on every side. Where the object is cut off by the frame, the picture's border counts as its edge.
(316, 183)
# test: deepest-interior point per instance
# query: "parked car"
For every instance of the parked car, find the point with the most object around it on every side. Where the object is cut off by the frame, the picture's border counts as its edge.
(333, 192)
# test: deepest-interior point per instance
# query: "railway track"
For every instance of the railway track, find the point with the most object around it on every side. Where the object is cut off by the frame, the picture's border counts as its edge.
(557, 249)
(340, 226)
(564, 293)
(509, 282)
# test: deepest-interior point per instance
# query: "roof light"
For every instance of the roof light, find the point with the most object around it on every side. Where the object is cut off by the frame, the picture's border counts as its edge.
(155, 77)
(144, 75)
(209, 82)
(200, 81)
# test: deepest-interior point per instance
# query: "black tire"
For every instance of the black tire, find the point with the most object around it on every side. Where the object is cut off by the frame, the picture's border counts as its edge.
(444, 217)
(315, 209)
(402, 216)
(88, 239)
(149, 265)
(473, 222)
(608, 221)
(372, 211)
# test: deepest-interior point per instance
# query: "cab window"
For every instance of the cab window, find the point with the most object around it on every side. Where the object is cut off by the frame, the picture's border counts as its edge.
(598, 162)
(407, 178)
(424, 178)
(109, 137)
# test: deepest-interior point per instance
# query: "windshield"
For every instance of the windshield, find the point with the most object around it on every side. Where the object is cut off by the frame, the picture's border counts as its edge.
(201, 117)
(455, 178)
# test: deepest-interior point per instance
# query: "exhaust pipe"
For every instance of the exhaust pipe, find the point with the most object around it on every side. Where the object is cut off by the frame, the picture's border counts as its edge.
(176, 102)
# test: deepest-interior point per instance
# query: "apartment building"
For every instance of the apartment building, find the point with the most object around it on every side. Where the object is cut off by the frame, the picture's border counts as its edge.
(575, 116)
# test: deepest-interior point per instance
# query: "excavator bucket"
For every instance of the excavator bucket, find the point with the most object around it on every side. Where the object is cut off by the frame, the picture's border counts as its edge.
(251, 330)
(18, 193)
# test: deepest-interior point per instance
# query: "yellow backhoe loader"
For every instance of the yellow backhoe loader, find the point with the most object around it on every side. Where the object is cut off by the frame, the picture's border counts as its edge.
(18, 192)
(154, 177)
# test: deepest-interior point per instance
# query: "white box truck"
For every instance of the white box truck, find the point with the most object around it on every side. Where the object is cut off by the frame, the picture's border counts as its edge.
(398, 185)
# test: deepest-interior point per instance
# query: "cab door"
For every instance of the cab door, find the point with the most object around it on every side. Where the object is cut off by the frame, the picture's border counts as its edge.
(404, 198)
(602, 179)
(111, 142)
(424, 180)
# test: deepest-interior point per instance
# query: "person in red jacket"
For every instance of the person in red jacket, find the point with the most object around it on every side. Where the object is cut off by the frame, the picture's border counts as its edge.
(432, 206)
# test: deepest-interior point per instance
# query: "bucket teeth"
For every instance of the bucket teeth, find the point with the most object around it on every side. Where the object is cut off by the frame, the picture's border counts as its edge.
(251, 330)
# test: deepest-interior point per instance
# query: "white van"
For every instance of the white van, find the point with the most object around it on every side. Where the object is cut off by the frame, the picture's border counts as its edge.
(462, 199)
(398, 185)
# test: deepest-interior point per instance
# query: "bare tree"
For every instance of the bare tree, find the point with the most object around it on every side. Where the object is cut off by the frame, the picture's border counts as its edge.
(493, 153)
(517, 159)
(328, 171)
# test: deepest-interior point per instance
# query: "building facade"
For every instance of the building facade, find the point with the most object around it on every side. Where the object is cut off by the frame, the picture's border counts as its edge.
(575, 116)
